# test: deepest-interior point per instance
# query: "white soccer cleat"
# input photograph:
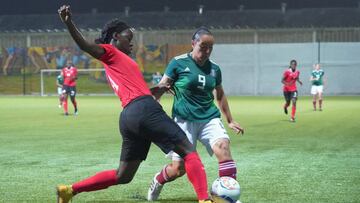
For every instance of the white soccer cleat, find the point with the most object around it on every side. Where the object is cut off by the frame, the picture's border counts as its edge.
(154, 189)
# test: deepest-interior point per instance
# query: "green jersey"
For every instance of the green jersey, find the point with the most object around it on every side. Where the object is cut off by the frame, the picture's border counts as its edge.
(60, 79)
(193, 87)
(318, 76)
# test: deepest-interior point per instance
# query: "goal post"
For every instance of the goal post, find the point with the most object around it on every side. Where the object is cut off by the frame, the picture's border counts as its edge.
(89, 82)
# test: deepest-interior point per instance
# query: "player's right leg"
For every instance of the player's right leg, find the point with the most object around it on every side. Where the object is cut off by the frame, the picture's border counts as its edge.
(65, 104)
(314, 93)
(287, 96)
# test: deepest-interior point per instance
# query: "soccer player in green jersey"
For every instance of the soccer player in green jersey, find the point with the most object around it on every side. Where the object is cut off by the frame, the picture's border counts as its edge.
(59, 84)
(317, 80)
(195, 80)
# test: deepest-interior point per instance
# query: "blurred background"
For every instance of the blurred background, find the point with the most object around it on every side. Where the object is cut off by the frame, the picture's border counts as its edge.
(255, 41)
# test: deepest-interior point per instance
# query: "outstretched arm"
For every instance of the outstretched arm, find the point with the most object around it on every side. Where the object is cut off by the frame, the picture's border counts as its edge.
(224, 107)
(91, 48)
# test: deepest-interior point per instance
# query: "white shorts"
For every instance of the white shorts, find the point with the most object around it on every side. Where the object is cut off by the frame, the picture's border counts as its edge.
(207, 133)
(59, 90)
(317, 89)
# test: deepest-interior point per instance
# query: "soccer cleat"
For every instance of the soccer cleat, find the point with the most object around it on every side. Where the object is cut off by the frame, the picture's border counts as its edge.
(76, 112)
(292, 119)
(154, 189)
(64, 193)
(285, 110)
(66, 113)
(320, 109)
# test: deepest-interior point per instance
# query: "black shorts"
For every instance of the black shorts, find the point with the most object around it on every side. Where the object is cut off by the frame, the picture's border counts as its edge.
(69, 90)
(144, 121)
(289, 95)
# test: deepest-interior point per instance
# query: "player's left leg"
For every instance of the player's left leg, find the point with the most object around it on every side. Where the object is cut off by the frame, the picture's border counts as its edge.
(314, 101)
(73, 100)
(320, 100)
(216, 140)
(227, 166)
(293, 110)
(287, 96)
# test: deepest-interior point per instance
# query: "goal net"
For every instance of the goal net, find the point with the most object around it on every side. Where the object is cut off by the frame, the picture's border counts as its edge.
(89, 82)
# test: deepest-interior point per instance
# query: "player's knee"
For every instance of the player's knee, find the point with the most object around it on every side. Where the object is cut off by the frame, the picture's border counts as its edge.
(183, 148)
(176, 169)
(124, 178)
(221, 150)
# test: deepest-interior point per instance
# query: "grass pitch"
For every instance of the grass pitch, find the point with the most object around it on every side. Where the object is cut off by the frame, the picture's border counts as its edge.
(316, 159)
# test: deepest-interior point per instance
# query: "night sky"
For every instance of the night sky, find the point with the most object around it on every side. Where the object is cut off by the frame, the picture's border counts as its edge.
(10, 7)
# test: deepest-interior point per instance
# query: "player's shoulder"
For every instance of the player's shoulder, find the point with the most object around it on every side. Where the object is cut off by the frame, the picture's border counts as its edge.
(214, 65)
(181, 57)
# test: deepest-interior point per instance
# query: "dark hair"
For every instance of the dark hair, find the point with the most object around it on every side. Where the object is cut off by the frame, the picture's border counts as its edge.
(199, 32)
(109, 29)
(293, 61)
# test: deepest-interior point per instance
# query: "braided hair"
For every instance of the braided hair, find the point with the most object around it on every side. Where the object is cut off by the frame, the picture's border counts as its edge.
(111, 27)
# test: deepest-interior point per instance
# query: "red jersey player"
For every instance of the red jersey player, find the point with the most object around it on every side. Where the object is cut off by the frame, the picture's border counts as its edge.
(142, 119)
(69, 87)
(290, 76)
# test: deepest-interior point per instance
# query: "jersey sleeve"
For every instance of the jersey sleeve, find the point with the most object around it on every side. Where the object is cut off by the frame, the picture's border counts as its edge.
(171, 69)
(109, 54)
(218, 77)
(285, 74)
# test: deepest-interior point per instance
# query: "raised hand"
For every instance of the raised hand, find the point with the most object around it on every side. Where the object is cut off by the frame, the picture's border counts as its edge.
(64, 13)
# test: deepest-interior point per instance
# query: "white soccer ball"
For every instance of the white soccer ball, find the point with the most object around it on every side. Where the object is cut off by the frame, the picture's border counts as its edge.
(225, 190)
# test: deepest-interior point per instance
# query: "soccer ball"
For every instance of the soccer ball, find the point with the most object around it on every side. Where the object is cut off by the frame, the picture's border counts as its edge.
(225, 190)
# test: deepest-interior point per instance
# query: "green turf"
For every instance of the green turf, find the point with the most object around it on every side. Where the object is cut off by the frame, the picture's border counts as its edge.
(316, 159)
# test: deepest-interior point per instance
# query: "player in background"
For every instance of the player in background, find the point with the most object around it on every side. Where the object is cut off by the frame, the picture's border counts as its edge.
(142, 119)
(289, 79)
(59, 84)
(195, 80)
(69, 88)
(318, 81)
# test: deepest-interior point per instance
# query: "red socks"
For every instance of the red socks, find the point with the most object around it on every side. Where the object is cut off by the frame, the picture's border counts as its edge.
(99, 181)
(196, 174)
(163, 177)
(227, 168)
(65, 105)
(293, 110)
